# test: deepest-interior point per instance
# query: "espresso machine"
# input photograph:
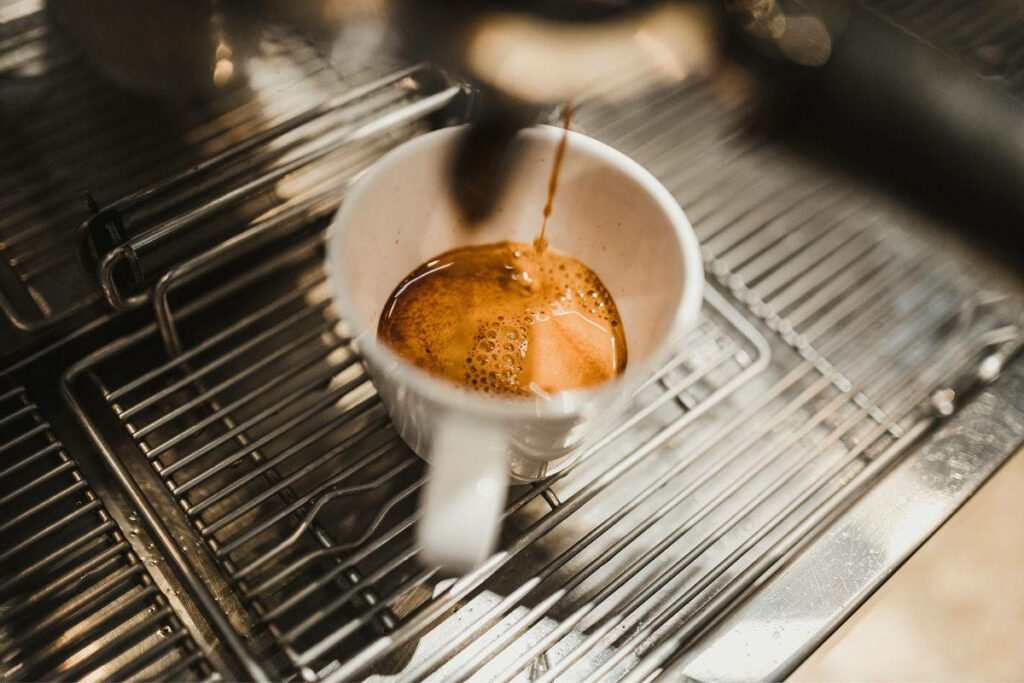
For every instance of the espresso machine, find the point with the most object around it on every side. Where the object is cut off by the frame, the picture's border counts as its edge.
(831, 72)
(197, 479)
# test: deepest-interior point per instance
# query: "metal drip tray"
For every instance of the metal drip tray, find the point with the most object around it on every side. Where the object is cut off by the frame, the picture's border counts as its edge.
(266, 435)
(854, 377)
(138, 185)
(269, 437)
(76, 603)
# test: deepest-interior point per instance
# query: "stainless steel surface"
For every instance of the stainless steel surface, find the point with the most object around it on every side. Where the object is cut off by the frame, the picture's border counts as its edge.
(770, 636)
(267, 435)
(854, 378)
(305, 160)
(265, 428)
(76, 602)
(985, 36)
(819, 425)
(74, 145)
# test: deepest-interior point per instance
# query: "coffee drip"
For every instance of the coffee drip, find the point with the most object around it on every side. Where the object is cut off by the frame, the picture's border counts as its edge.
(541, 243)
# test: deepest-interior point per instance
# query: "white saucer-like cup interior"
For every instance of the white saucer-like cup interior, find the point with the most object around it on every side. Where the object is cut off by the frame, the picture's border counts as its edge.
(608, 213)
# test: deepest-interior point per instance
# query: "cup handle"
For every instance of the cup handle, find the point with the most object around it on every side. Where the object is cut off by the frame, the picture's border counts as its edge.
(465, 494)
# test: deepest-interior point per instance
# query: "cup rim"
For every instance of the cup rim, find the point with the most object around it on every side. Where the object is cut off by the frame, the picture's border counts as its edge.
(474, 402)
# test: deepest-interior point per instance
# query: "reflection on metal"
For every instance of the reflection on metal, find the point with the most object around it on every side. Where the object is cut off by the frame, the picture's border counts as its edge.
(828, 413)
(151, 171)
(76, 603)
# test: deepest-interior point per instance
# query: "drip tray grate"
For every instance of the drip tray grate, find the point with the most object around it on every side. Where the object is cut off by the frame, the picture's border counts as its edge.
(266, 437)
(270, 437)
(87, 167)
(76, 603)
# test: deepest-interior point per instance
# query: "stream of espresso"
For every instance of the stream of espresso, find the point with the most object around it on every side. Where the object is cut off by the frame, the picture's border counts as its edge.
(508, 318)
(541, 243)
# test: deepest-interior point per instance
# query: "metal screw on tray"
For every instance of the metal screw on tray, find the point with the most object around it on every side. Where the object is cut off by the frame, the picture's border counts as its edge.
(943, 401)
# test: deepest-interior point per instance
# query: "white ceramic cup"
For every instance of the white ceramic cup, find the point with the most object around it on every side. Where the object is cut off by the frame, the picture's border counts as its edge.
(609, 213)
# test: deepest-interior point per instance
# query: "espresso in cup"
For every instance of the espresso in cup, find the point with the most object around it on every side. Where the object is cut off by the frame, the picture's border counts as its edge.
(508, 318)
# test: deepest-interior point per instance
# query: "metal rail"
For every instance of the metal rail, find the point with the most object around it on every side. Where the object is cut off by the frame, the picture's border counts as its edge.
(74, 131)
(263, 427)
(305, 372)
(396, 105)
(70, 130)
(75, 600)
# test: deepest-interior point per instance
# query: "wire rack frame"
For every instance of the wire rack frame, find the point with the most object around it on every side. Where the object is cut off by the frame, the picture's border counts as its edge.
(213, 492)
(829, 414)
(799, 244)
(877, 343)
(311, 155)
(91, 136)
(77, 603)
(808, 256)
(838, 435)
(37, 246)
(817, 401)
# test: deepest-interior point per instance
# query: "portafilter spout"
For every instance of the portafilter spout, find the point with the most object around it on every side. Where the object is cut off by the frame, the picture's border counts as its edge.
(524, 58)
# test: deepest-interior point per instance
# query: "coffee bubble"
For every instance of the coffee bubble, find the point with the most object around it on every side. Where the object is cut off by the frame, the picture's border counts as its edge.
(472, 317)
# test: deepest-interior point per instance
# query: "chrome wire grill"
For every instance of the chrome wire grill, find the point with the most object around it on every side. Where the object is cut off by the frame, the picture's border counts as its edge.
(76, 603)
(83, 162)
(264, 433)
(806, 438)
(802, 246)
(267, 433)
(296, 168)
(842, 276)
